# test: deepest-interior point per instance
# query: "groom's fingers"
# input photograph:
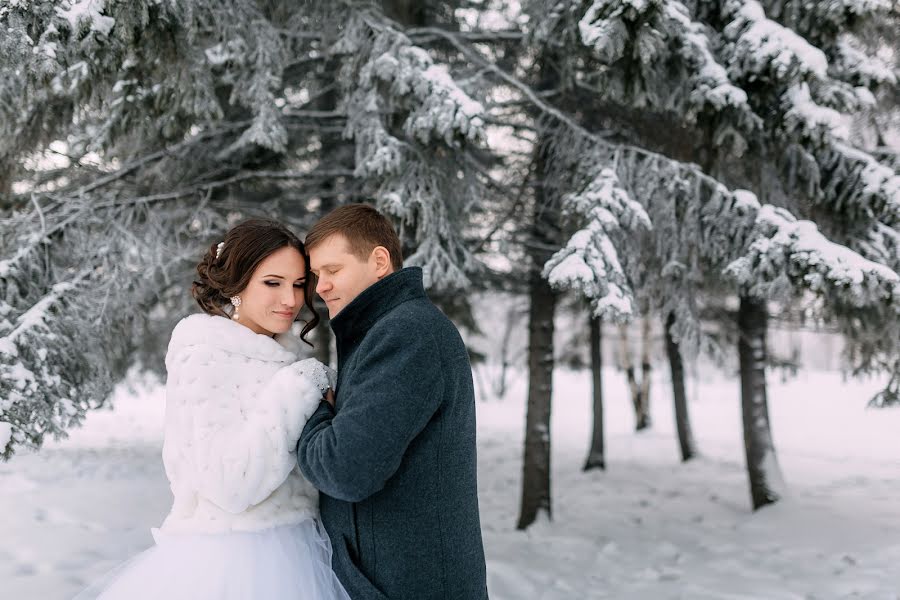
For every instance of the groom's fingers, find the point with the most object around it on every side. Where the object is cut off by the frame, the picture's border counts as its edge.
(329, 397)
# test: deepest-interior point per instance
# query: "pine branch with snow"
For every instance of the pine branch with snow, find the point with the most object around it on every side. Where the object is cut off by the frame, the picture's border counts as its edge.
(589, 262)
(789, 260)
(788, 255)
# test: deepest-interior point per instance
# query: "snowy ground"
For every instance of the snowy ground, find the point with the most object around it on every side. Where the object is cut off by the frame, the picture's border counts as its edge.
(648, 528)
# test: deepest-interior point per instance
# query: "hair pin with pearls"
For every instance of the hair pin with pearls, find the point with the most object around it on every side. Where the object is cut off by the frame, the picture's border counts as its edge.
(219, 248)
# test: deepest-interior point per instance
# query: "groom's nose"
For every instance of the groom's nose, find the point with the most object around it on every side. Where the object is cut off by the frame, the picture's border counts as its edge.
(322, 285)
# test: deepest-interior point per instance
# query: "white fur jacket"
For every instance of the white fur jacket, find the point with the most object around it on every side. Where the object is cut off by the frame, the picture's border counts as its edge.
(236, 402)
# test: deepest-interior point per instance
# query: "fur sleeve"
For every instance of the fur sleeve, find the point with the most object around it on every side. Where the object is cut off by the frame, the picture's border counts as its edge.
(233, 456)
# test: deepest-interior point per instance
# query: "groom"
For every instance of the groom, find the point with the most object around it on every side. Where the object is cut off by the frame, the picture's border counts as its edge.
(394, 458)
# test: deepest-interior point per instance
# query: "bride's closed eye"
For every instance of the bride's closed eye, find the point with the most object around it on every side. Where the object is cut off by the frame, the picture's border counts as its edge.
(299, 284)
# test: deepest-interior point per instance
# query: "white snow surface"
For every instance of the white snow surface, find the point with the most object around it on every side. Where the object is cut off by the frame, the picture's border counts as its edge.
(648, 528)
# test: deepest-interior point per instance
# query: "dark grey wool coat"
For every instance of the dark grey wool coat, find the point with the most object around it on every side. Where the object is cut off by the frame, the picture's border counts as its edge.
(395, 459)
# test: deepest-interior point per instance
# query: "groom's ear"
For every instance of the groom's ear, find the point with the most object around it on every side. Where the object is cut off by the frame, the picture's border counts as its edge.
(382, 261)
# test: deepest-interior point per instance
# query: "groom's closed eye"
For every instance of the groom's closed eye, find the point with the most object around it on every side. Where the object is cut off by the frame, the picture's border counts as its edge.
(328, 269)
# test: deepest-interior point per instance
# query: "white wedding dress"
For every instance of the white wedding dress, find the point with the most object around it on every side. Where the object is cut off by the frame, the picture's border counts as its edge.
(244, 521)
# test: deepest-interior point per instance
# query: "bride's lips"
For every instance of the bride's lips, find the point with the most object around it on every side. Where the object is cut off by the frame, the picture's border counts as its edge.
(284, 315)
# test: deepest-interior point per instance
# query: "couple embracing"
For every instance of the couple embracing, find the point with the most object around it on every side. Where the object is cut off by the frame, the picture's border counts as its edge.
(292, 482)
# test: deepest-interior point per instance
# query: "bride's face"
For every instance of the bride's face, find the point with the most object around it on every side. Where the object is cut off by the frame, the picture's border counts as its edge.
(274, 296)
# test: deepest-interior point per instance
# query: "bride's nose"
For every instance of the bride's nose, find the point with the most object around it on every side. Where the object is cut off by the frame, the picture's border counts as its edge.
(289, 299)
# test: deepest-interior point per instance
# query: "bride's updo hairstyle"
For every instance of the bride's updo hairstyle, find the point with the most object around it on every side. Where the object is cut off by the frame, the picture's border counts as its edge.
(221, 275)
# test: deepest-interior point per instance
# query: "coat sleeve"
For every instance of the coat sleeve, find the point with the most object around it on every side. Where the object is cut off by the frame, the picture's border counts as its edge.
(232, 457)
(392, 393)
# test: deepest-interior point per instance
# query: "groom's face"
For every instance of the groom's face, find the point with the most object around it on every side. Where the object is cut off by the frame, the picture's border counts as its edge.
(342, 275)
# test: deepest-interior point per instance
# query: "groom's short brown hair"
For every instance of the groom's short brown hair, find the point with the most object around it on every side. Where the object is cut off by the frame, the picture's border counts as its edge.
(363, 227)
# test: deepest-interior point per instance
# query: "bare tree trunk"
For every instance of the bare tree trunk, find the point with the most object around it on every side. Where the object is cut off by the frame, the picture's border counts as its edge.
(596, 457)
(640, 391)
(513, 318)
(644, 412)
(682, 419)
(766, 482)
(542, 241)
(536, 468)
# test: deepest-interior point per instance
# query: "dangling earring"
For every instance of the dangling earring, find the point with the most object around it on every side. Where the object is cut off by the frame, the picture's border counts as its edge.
(236, 302)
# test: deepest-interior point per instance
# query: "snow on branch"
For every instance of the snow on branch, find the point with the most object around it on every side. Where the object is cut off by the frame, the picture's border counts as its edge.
(787, 255)
(641, 29)
(86, 16)
(33, 363)
(589, 262)
(440, 109)
(604, 26)
(854, 65)
(711, 79)
(857, 183)
(764, 49)
(396, 76)
(36, 315)
(809, 119)
(258, 88)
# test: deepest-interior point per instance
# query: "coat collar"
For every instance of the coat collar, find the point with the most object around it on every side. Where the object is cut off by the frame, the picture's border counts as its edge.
(363, 311)
(218, 332)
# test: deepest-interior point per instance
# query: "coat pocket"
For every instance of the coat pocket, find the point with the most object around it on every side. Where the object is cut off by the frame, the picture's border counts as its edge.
(357, 583)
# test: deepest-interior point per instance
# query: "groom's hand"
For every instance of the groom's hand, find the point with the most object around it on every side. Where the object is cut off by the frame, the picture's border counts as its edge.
(329, 397)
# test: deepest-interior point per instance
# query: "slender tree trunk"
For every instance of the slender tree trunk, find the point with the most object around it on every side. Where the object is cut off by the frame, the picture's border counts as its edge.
(682, 419)
(766, 482)
(646, 368)
(536, 467)
(542, 241)
(640, 391)
(596, 457)
(512, 323)
(630, 375)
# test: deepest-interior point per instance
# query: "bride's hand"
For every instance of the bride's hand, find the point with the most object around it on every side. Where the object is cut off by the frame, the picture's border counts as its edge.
(329, 397)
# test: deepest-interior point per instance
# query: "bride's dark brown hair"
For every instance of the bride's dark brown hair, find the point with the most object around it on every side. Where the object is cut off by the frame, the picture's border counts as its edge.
(246, 245)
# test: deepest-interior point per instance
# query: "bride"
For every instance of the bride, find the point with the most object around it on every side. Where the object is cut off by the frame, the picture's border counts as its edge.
(244, 522)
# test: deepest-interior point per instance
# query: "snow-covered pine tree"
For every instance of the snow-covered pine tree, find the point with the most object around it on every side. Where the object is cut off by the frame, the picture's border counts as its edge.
(133, 134)
(723, 86)
(820, 67)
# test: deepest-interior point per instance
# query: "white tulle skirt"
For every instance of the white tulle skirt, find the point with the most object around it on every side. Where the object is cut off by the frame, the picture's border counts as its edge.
(292, 562)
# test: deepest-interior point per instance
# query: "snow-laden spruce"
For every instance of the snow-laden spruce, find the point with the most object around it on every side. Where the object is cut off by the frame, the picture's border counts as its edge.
(393, 76)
